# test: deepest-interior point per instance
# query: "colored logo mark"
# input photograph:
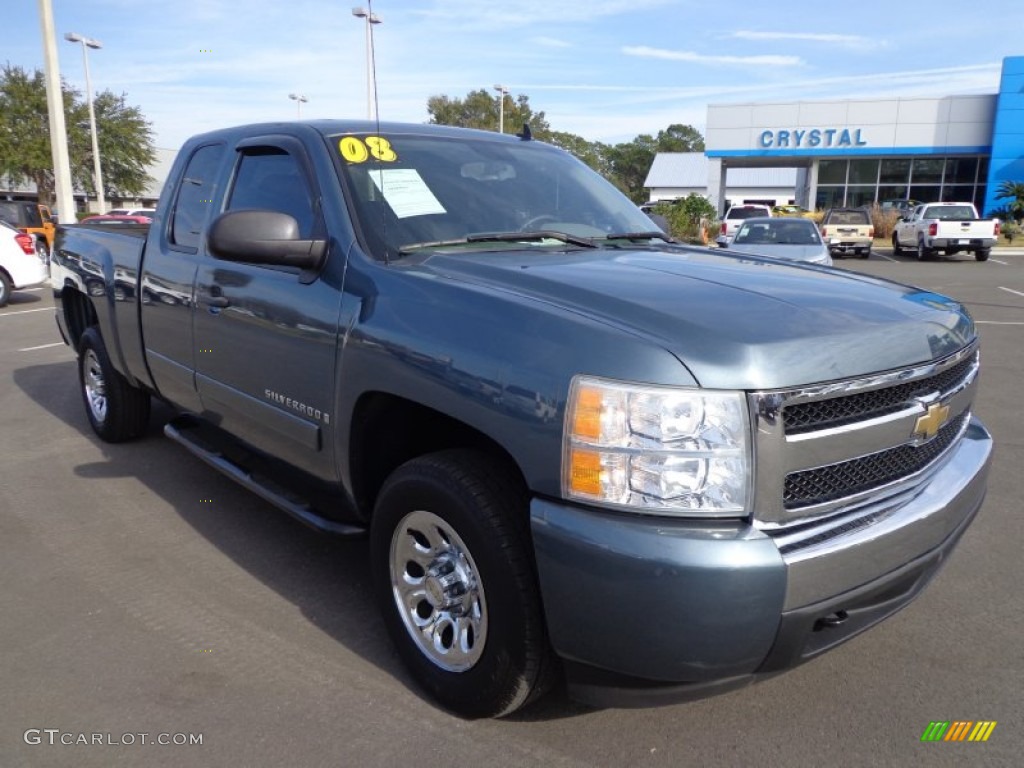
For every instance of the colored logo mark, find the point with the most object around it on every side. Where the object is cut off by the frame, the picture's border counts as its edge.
(958, 730)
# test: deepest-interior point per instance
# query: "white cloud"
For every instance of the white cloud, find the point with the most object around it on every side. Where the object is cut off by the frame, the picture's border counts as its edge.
(768, 60)
(820, 37)
(551, 42)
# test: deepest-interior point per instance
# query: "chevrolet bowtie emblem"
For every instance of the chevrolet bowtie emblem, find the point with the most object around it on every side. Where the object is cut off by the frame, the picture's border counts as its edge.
(928, 425)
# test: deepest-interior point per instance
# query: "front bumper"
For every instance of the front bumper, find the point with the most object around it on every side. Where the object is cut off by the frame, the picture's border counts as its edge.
(648, 610)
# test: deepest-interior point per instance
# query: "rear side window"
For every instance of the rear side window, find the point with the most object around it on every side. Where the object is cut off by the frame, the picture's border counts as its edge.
(849, 217)
(195, 195)
(746, 213)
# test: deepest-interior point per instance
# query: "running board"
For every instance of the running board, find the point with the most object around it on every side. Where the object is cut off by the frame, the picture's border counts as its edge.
(183, 432)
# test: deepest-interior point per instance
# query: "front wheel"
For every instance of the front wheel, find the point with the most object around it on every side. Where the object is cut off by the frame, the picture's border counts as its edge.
(982, 254)
(896, 249)
(117, 411)
(454, 578)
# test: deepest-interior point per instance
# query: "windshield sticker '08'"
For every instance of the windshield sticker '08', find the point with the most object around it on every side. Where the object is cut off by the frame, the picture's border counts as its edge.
(357, 150)
(406, 192)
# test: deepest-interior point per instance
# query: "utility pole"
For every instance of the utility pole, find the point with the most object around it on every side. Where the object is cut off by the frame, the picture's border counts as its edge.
(63, 191)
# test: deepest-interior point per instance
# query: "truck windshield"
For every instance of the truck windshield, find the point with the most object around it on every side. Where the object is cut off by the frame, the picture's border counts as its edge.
(413, 191)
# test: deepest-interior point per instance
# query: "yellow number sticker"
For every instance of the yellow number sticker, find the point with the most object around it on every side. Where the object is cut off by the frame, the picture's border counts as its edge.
(357, 150)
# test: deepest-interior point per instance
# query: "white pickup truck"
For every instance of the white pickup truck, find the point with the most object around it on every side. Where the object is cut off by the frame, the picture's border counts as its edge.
(947, 227)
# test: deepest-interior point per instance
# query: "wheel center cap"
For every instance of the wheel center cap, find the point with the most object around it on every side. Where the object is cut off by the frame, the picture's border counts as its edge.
(435, 592)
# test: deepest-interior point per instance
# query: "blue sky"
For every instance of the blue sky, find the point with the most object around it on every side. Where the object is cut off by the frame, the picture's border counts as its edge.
(604, 69)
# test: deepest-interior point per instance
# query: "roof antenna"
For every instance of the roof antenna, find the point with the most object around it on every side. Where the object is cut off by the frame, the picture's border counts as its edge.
(525, 135)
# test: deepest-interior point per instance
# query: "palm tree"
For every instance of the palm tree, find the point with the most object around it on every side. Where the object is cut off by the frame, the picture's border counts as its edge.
(1015, 190)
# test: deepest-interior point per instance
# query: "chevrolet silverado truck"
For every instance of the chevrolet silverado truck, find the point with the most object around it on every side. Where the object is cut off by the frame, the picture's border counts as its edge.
(579, 450)
(946, 227)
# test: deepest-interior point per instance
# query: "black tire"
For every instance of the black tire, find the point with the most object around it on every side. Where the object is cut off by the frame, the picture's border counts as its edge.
(864, 253)
(465, 510)
(896, 248)
(924, 253)
(117, 411)
(982, 254)
(5, 288)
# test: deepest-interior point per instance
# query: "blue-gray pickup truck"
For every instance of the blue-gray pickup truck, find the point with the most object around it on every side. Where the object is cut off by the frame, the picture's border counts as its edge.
(579, 450)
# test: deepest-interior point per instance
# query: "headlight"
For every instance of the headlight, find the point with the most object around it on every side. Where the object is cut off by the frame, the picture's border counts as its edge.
(664, 450)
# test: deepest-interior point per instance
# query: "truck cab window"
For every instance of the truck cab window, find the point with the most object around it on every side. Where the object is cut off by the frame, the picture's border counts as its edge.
(196, 195)
(272, 180)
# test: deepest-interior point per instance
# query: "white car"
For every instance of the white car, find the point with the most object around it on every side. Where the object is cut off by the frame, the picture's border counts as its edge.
(20, 264)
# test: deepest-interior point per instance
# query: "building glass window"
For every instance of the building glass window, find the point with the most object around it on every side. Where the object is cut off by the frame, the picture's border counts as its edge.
(927, 170)
(892, 193)
(925, 193)
(858, 196)
(957, 193)
(829, 197)
(831, 172)
(979, 199)
(961, 170)
(895, 171)
(864, 172)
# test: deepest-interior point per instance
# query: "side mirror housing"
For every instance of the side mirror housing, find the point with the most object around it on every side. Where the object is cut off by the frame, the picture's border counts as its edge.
(263, 237)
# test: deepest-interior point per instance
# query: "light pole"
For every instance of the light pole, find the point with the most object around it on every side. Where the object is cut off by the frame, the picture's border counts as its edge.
(88, 42)
(371, 18)
(503, 92)
(299, 100)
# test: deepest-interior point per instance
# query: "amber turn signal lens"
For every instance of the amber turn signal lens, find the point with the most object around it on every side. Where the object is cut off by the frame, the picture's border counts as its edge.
(585, 472)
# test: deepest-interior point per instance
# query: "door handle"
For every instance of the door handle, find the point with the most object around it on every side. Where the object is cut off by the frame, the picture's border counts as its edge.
(216, 298)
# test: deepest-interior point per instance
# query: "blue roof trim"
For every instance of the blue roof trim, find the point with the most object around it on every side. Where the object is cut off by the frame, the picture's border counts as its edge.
(851, 151)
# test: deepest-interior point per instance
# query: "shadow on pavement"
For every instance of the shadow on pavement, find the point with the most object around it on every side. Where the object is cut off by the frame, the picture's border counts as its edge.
(325, 577)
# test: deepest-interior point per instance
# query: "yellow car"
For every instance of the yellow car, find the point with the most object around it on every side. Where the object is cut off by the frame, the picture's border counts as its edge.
(789, 210)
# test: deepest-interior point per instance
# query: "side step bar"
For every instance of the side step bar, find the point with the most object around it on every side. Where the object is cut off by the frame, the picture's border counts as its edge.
(181, 431)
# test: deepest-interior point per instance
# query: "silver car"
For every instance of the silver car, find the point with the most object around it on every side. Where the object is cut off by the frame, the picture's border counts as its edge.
(781, 238)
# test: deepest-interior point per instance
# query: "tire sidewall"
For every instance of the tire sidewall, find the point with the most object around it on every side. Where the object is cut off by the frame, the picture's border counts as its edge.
(484, 689)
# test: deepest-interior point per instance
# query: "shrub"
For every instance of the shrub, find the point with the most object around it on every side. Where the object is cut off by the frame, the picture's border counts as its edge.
(690, 218)
(884, 221)
(1011, 230)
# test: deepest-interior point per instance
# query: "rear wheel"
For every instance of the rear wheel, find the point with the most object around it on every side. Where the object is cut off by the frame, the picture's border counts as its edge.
(5, 289)
(896, 249)
(864, 252)
(454, 578)
(923, 252)
(982, 254)
(117, 411)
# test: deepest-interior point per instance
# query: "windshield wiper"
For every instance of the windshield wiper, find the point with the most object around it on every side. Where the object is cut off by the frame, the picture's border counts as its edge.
(640, 236)
(502, 237)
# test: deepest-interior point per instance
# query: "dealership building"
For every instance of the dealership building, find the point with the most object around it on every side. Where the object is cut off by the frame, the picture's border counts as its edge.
(857, 152)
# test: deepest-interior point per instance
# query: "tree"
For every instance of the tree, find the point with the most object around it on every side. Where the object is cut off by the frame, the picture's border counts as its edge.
(626, 165)
(124, 137)
(1013, 190)
(481, 110)
(680, 138)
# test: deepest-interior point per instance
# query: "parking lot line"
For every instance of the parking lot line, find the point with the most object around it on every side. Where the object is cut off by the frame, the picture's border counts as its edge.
(887, 258)
(42, 346)
(997, 261)
(1010, 290)
(26, 311)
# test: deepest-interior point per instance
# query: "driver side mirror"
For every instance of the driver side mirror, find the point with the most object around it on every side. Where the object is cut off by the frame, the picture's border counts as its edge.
(263, 237)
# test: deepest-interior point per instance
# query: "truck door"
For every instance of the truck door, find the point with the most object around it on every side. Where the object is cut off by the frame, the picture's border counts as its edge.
(266, 336)
(168, 276)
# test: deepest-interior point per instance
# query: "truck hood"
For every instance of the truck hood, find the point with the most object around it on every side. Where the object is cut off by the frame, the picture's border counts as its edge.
(735, 321)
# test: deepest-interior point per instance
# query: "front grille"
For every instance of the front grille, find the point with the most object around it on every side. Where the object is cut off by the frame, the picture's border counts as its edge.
(848, 478)
(824, 414)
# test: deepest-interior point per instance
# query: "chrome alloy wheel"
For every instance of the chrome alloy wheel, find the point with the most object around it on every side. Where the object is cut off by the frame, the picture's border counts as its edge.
(95, 386)
(437, 591)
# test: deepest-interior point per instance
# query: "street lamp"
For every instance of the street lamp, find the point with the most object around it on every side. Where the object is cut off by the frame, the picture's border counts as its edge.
(371, 18)
(299, 100)
(501, 89)
(88, 42)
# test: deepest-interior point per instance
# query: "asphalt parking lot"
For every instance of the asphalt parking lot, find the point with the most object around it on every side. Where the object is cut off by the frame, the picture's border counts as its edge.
(143, 593)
